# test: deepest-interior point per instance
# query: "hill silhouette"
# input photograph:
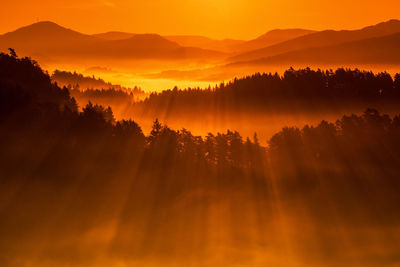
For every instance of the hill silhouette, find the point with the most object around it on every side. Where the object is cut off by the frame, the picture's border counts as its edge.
(319, 39)
(380, 50)
(81, 82)
(43, 39)
(371, 47)
(51, 43)
(49, 40)
(45, 31)
(225, 45)
(240, 46)
(115, 35)
(79, 187)
(323, 90)
(271, 38)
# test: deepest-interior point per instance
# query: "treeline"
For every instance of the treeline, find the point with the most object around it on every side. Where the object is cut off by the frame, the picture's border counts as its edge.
(303, 87)
(97, 87)
(303, 90)
(37, 115)
(106, 97)
(32, 105)
(65, 171)
(370, 139)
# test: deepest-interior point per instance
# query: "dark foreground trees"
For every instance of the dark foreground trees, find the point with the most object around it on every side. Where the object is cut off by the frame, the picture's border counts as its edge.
(303, 90)
(66, 173)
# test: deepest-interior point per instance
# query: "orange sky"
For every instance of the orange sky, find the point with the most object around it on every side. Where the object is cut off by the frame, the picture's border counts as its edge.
(241, 19)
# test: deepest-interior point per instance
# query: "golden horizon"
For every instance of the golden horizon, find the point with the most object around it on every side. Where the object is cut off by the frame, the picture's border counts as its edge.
(237, 19)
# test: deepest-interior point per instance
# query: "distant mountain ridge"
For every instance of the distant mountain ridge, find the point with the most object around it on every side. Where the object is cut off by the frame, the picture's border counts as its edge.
(378, 50)
(45, 41)
(320, 39)
(38, 34)
(273, 37)
(383, 50)
(225, 45)
(49, 40)
(115, 35)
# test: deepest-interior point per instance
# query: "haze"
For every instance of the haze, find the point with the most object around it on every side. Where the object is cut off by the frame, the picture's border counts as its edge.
(238, 19)
(200, 133)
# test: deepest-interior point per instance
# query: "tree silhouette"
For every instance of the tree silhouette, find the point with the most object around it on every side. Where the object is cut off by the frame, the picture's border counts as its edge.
(64, 170)
(12, 53)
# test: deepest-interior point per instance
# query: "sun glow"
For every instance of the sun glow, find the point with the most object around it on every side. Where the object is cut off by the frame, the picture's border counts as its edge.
(199, 133)
(239, 19)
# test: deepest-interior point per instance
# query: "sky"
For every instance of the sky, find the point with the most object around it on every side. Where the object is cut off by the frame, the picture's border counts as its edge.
(237, 19)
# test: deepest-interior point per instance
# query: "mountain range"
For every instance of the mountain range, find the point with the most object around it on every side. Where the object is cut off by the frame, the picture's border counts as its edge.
(372, 46)
(326, 38)
(226, 45)
(376, 44)
(48, 40)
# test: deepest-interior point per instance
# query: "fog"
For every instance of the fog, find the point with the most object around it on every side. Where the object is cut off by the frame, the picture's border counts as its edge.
(156, 76)
(84, 184)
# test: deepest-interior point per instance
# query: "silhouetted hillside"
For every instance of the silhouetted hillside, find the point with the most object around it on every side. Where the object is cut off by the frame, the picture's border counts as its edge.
(225, 46)
(78, 186)
(295, 89)
(87, 89)
(239, 46)
(320, 39)
(46, 34)
(271, 38)
(79, 81)
(380, 50)
(114, 35)
(25, 92)
(47, 40)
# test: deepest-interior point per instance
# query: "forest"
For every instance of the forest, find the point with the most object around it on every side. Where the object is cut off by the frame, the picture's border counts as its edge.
(90, 85)
(67, 170)
(302, 90)
(258, 91)
(294, 89)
